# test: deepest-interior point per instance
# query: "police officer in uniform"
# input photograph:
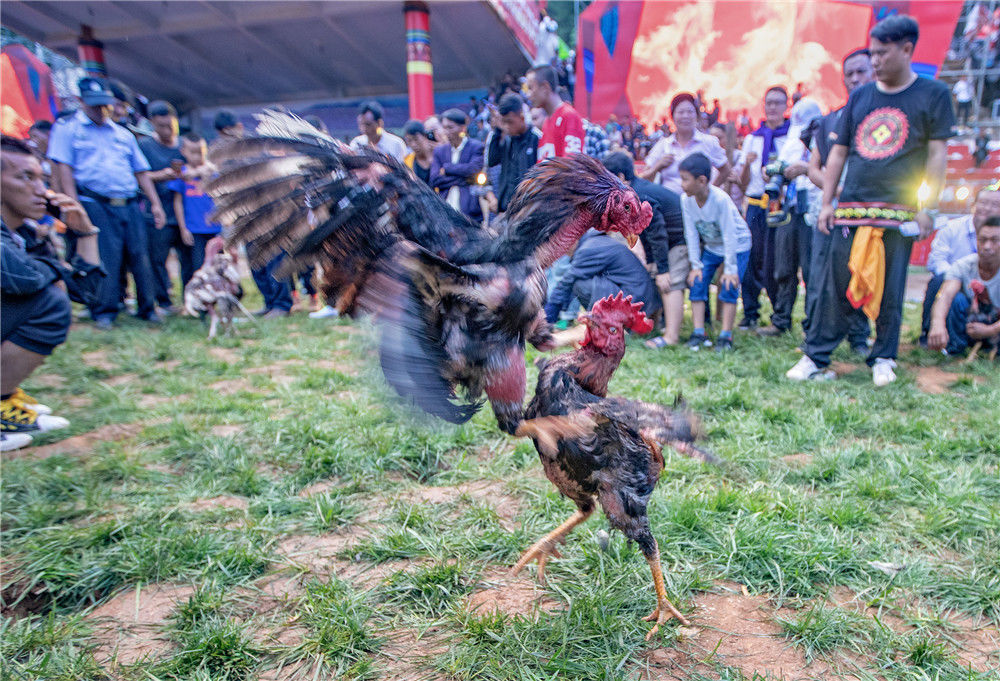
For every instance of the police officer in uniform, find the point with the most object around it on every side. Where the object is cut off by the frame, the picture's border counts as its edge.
(99, 162)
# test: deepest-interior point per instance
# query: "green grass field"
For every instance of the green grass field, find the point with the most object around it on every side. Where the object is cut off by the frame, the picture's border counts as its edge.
(261, 508)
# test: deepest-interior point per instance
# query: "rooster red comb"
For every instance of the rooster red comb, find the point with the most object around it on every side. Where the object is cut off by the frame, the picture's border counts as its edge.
(622, 307)
(977, 286)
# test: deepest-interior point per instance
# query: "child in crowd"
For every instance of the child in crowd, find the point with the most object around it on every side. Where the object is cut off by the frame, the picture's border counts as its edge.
(716, 234)
(191, 204)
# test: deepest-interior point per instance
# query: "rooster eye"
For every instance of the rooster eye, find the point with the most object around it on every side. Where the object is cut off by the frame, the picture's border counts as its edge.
(628, 207)
(613, 330)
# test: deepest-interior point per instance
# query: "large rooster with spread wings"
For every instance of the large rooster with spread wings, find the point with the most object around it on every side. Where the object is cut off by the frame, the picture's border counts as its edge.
(454, 303)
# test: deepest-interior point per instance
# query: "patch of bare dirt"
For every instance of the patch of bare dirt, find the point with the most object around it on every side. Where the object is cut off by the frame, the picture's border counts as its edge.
(159, 468)
(231, 386)
(974, 641)
(406, 655)
(489, 492)
(798, 460)
(277, 372)
(295, 670)
(977, 643)
(79, 401)
(151, 401)
(228, 355)
(844, 368)
(18, 596)
(343, 365)
(733, 628)
(81, 444)
(120, 379)
(98, 359)
(168, 365)
(127, 627)
(226, 430)
(318, 555)
(221, 501)
(52, 381)
(320, 487)
(509, 595)
(937, 381)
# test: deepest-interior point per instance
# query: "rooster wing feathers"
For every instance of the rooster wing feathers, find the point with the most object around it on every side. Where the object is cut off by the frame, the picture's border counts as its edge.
(389, 247)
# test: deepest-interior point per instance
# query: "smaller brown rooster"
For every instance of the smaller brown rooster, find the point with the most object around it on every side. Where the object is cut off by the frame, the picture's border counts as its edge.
(617, 461)
(215, 288)
(983, 311)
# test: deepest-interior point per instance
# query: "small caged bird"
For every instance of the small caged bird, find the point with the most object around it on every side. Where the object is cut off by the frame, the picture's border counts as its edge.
(616, 459)
(983, 311)
(215, 288)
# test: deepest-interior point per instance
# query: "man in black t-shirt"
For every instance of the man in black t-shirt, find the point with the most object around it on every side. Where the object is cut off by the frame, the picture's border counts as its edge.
(663, 244)
(857, 71)
(892, 135)
(163, 152)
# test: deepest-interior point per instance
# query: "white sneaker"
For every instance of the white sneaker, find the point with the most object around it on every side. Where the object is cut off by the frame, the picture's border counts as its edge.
(882, 372)
(51, 422)
(11, 441)
(31, 403)
(326, 312)
(806, 370)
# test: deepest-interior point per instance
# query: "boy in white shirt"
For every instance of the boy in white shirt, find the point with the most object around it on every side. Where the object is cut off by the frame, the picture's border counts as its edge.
(716, 234)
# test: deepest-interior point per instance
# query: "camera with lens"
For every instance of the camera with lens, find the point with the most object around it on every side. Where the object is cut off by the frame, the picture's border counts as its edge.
(775, 171)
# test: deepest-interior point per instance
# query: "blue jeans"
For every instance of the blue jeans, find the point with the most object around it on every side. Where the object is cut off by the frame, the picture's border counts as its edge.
(552, 276)
(958, 317)
(277, 294)
(124, 246)
(711, 262)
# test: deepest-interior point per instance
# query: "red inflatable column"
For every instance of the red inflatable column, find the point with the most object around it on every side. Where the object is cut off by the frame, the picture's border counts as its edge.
(90, 50)
(419, 72)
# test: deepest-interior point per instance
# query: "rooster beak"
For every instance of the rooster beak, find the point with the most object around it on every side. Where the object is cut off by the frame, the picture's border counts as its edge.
(631, 239)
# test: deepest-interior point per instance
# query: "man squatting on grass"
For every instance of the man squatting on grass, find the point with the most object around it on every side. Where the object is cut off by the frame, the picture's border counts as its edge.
(36, 286)
(892, 135)
(953, 328)
(716, 234)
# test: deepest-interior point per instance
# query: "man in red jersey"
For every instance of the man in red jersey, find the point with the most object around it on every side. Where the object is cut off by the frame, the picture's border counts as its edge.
(562, 132)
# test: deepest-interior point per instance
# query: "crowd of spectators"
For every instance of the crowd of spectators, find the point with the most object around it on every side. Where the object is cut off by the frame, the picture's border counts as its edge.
(826, 202)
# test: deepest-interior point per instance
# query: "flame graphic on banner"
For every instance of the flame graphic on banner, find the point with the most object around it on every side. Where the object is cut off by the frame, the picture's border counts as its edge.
(734, 51)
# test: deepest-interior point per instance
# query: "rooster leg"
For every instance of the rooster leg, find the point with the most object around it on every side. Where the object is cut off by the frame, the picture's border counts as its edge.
(213, 323)
(546, 546)
(974, 352)
(664, 608)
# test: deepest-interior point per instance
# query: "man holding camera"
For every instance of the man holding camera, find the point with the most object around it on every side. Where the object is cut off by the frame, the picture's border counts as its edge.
(34, 309)
(759, 149)
(893, 132)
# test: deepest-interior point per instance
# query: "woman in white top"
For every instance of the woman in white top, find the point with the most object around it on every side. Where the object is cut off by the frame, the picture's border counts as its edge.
(666, 155)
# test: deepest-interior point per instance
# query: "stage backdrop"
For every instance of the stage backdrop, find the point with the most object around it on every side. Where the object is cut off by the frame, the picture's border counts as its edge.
(633, 56)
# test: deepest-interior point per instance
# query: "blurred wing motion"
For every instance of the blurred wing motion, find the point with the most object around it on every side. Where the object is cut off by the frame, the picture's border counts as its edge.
(454, 303)
(215, 287)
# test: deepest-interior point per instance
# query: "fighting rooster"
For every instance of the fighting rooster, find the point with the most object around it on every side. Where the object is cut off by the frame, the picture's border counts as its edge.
(617, 460)
(215, 288)
(454, 303)
(983, 311)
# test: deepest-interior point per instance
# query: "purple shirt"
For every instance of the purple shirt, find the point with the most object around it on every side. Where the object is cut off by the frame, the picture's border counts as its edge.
(670, 177)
